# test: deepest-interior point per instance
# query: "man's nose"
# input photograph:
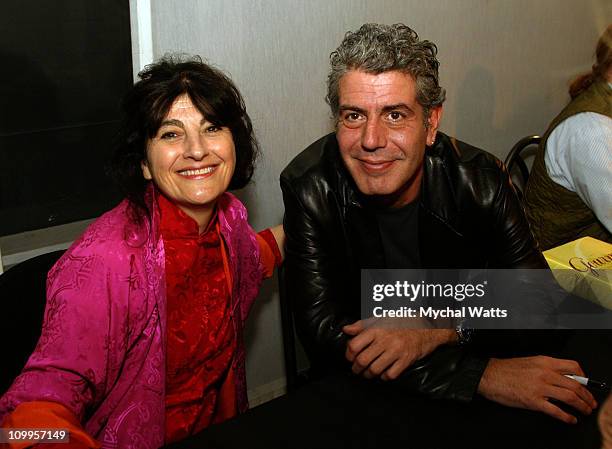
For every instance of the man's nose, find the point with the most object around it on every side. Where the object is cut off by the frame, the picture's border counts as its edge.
(196, 147)
(374, 135)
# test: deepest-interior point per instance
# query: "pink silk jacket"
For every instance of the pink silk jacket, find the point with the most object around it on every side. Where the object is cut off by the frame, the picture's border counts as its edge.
(102, 348)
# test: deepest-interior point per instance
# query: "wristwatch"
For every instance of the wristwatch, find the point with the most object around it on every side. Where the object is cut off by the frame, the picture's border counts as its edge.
(464, 334)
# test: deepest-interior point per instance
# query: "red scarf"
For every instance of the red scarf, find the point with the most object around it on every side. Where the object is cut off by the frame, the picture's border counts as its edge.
(200, 337)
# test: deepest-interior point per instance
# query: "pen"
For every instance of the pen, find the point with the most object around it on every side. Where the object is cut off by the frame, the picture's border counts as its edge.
(588, 382)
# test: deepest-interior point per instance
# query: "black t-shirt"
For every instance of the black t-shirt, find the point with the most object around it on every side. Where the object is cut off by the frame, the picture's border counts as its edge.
(399, 235)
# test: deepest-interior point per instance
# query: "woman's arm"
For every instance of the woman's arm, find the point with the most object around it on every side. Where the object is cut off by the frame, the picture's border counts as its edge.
(70, 365)
(48, 415)
(272, 248)
(279, 235)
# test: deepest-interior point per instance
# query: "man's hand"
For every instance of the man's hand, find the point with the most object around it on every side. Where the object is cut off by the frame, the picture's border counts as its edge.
(385, 350)
(530, 383)
(605, 424)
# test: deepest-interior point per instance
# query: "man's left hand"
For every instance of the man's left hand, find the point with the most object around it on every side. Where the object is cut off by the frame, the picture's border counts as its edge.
(378, 350)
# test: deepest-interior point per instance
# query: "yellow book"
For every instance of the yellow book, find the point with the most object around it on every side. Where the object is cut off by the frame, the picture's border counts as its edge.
(584, 267)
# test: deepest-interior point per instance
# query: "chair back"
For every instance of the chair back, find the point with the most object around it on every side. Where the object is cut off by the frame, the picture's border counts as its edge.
(22, 298)
(291, 345)
(515, 161)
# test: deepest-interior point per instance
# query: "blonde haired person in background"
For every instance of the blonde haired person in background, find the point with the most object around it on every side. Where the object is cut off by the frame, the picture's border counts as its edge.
(569, 193)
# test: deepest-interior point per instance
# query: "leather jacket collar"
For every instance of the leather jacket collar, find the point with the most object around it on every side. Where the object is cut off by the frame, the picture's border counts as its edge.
(462, 187)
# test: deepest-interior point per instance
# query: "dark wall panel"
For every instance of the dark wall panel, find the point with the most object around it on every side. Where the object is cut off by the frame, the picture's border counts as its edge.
(65, 66)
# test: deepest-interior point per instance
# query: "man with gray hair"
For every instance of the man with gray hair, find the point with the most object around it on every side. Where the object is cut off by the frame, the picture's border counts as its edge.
(388, 190)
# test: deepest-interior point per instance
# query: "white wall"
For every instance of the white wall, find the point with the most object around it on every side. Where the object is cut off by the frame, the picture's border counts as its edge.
(505, 64)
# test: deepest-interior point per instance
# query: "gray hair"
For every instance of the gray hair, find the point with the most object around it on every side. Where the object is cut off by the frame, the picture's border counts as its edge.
(376, 48)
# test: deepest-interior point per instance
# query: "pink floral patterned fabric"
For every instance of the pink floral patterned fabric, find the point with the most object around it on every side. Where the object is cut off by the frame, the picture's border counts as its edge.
(102, 348)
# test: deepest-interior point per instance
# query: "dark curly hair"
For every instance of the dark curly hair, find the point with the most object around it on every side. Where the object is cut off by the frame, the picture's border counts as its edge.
(147, 103)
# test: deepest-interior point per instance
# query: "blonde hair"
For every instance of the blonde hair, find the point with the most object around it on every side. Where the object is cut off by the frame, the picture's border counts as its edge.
(603, 56)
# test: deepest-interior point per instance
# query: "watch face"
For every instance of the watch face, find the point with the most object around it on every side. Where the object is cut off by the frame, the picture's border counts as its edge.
(463, 334)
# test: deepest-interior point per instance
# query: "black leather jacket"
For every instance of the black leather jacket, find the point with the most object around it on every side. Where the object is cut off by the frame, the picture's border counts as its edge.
(469, 217)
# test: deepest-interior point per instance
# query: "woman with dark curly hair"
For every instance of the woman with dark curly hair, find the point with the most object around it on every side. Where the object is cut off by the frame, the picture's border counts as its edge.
(142, 335)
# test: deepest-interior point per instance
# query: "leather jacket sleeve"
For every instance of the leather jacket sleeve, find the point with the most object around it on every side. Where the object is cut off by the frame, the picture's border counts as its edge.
(514, 244)
(312, 279)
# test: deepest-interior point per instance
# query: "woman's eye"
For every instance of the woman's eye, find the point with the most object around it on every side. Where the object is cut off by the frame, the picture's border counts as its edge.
(213, 129)
(168, 135)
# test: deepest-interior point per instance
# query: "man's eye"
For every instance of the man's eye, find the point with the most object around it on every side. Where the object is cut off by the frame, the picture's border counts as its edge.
(352, 117)
(395, 115)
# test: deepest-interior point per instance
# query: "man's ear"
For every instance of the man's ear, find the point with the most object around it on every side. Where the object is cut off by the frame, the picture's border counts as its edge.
(435, 116)
(144, 165)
